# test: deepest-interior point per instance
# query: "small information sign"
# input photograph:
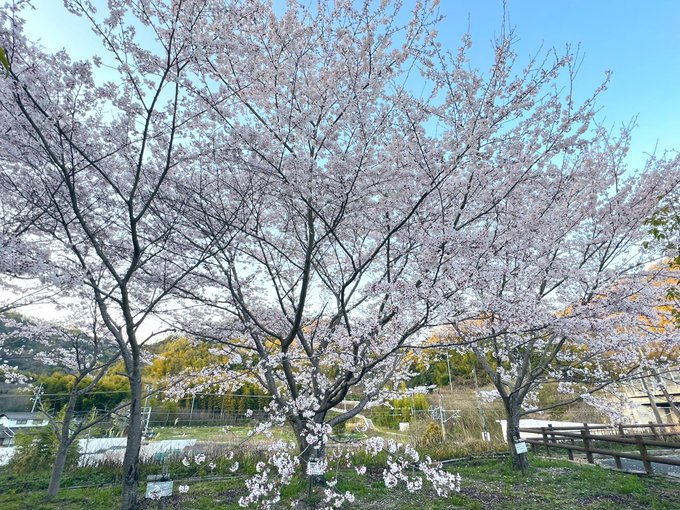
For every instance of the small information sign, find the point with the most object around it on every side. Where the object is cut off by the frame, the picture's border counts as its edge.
(315, 468)
(157, 490)
(521, 447)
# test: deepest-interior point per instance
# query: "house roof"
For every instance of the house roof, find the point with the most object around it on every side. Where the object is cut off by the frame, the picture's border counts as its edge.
(23, 416)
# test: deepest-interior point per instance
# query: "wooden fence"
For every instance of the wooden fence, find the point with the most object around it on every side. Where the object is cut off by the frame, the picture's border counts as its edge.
(666, 436)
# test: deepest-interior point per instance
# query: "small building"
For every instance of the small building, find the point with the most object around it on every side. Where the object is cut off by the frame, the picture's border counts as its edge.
(6, 437)
(641, 392)
(19, 420)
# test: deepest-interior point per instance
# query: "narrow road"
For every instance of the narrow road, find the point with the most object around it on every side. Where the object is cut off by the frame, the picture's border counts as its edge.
(636, 465)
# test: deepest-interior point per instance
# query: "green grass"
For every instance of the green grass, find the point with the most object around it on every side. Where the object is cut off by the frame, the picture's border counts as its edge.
(216, 434)
(487, 484)
(207, 433)
(564, 485)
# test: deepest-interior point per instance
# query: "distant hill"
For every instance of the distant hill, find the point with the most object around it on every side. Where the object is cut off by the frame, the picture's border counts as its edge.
(25, 361)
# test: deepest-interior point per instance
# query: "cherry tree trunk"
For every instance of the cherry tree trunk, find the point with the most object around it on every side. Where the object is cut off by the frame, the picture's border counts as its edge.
(65, 441)
(513, 413)
(134, 443)
(308, 452)
(58, 469)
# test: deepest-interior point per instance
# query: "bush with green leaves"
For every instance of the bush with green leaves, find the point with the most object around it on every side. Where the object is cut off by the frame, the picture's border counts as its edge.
(399, 410)
(36, 450)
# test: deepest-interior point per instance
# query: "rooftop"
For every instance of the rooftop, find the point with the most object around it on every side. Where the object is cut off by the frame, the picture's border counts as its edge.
(22, 416)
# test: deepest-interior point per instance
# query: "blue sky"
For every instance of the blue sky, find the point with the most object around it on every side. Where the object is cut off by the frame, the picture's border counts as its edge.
(638, 41)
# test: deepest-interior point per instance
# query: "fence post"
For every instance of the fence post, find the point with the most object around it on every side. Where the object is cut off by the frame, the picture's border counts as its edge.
(617, 461)
(570, 451)
(621, 432)
(545, 440)
(654, 430)
(586, 445)
(552, 435)
(643, 454)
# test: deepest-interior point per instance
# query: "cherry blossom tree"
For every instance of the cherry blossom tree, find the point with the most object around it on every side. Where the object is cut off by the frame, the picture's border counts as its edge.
(319, 186)
(374, 213)
(99, 148)
(562, 264)
(83, 348)
(316, 289)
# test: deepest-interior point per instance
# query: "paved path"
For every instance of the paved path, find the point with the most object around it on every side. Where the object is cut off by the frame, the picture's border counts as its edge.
(636, 465)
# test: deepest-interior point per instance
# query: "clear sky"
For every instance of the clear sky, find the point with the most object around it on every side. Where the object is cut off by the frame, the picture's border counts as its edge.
(638, 41)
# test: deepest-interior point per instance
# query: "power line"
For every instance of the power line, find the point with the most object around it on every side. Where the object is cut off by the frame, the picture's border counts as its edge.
(16, 395)
(111, 392)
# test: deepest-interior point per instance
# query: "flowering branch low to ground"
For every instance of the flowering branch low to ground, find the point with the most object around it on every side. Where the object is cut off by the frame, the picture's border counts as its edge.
(280, 466)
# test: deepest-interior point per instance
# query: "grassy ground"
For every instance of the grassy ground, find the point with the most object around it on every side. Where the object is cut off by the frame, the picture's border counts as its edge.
(219, 434)
(201, 433)
(487, 484)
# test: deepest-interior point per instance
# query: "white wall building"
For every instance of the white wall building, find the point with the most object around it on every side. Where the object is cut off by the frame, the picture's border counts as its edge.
(19, 420)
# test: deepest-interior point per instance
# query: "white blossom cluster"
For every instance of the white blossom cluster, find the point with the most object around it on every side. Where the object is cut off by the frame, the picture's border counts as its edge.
(264, 487)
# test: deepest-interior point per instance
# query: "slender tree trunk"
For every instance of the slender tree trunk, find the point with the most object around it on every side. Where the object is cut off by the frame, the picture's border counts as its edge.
(58, 470)
(512, 413)
(65, 441)
(134, 443)
(669, 398)
(650, 397)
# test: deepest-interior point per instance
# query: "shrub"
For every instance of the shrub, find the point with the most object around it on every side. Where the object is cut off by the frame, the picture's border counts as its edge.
(431, 436)
(36, 450)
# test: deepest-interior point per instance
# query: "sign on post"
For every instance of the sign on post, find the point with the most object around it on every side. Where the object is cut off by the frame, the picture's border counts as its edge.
(315, 468)
(155, 490)
(520, 447)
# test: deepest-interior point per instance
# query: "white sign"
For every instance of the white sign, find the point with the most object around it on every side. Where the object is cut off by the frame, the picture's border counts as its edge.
(521, 447)
(315, 468)
(157, 490)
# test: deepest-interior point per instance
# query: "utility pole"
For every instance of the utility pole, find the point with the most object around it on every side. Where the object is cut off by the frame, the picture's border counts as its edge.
(147, 409)
(485, 431)
(650, 397)
(191, 413)
(37, 397)
(441, 418)
(448, 366)
(149, 387)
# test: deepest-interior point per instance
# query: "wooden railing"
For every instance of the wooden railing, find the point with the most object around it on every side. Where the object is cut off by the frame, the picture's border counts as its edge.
(665, 436)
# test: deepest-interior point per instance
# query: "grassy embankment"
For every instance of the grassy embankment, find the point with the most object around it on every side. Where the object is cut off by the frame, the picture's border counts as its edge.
(487, 484)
